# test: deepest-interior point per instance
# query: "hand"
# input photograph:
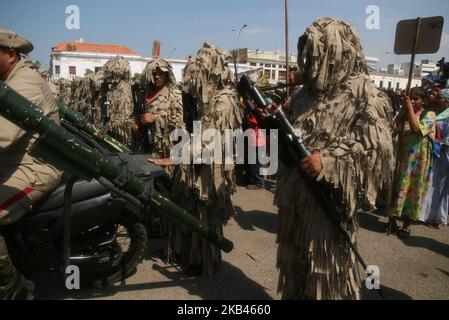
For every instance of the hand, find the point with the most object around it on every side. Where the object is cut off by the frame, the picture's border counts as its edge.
(148, 118)
(287, 103)
(406, 101)
(136, 130)
(261, 112)
(162, 162)
(273, 108)
(312, 166)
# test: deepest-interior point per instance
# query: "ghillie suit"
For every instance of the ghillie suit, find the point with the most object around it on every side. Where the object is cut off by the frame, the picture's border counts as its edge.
(64, 87)
(76, 89)
(345, 117)
(206, 189)
(89, 103)
(116, 89)
(166, 105)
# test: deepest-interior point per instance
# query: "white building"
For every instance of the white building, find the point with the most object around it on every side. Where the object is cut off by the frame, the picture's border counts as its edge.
(427, 67)
(71, 59)
(391, 81)
(372, 64)
(421, 70)
(273, 63)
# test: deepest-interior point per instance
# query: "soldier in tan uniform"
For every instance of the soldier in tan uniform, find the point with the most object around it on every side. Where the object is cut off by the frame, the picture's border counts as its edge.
(23, 179)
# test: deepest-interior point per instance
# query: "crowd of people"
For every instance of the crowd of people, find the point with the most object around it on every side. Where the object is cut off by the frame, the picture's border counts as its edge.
(347, 123)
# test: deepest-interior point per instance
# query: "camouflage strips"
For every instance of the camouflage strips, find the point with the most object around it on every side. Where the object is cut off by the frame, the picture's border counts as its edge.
(205, 147)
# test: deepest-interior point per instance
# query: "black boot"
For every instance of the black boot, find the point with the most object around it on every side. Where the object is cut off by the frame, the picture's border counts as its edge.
(13, 285)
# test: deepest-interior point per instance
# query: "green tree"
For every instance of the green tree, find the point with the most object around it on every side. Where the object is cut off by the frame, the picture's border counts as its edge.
(263, 80)
(136, 77)
(88, 72)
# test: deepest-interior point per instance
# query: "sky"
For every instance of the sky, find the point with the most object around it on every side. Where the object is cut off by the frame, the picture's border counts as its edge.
(183, 26)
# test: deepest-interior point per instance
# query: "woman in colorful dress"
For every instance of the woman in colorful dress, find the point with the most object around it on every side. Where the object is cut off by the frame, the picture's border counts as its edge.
(437, 207)
(414, 166)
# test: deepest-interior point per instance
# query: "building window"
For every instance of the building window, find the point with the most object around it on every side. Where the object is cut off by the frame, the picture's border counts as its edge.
(282, 75)
(253, 64)
(267, 73)
(98, 69)
(72, 70)
(273, 75)
(389, 84)
(397, 85)
(57, 70)
(381, 85)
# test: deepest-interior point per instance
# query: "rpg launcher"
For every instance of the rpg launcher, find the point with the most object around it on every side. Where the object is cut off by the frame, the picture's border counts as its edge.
(293, 143)
(69, 152)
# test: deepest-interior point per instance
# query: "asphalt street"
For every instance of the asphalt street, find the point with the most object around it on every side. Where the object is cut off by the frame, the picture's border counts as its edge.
(416, 268)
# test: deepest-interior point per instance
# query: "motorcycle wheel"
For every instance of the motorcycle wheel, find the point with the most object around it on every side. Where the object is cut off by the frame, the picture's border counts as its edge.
(133, 241)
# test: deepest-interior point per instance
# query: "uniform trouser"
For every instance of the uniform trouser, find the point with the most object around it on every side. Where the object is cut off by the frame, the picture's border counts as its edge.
(253, 170)
(15, 201)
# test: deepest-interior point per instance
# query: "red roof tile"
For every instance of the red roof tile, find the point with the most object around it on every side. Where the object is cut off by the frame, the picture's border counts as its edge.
(93, 47)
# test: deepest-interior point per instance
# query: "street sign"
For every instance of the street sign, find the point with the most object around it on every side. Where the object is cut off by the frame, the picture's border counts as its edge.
(429, 37)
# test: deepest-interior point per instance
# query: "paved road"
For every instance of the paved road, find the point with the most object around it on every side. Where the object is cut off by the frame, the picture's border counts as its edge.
(417, 268)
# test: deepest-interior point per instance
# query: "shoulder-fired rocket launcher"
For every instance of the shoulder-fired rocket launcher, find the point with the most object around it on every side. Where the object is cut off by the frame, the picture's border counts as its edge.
(68, 152)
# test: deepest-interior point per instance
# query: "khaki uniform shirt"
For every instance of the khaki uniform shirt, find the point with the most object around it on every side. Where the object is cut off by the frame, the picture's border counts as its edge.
(27, 171)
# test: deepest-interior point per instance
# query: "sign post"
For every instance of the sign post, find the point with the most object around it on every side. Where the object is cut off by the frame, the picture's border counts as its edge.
(425, 40)
(287, 49)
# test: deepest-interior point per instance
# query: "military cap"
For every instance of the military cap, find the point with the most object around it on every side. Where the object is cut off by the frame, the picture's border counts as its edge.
(11, 40)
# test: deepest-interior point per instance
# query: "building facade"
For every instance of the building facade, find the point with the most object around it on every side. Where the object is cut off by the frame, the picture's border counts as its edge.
(421, 70)
(76, 59)
(393, 82)
(273, 63)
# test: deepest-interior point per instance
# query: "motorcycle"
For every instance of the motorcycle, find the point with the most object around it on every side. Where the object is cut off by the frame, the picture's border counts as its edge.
(99, 218)
(108, 234)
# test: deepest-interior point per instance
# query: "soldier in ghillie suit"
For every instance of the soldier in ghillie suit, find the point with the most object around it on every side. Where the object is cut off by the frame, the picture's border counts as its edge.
(161, 112)
(64, 88)
(206, 189)
(89, 103)
(117, 100)
(347, 124)
(76, 90)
